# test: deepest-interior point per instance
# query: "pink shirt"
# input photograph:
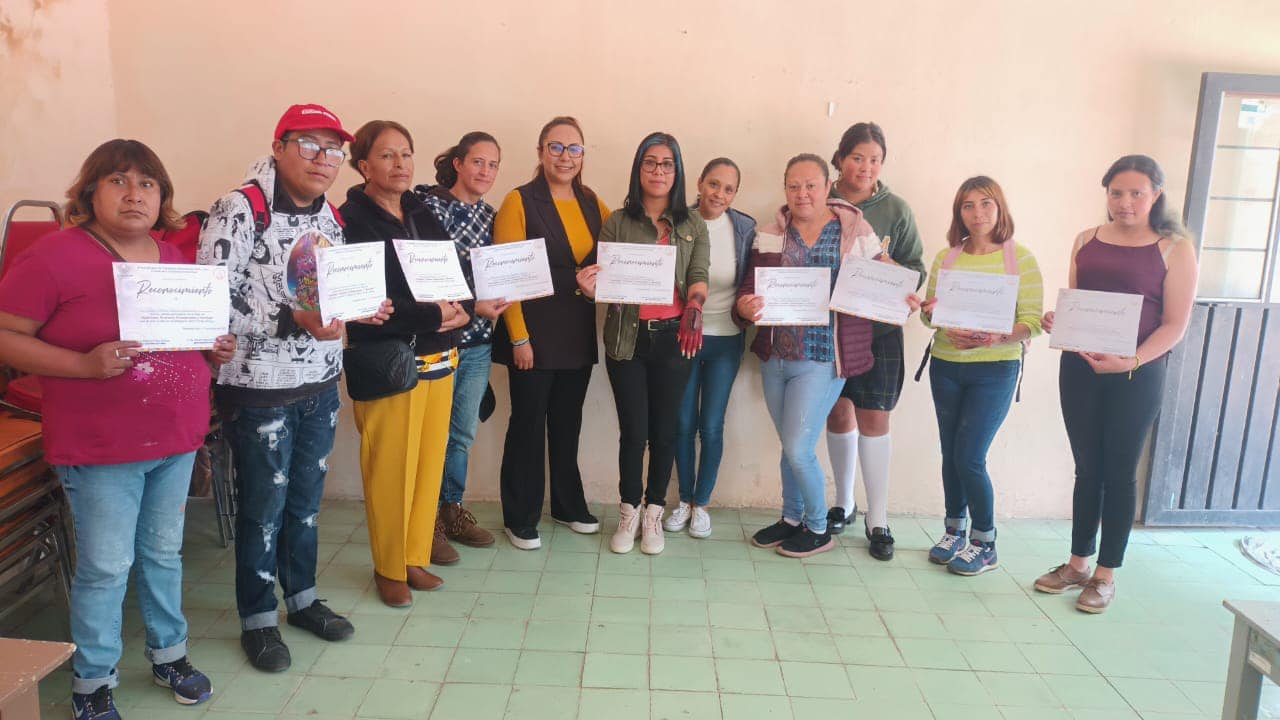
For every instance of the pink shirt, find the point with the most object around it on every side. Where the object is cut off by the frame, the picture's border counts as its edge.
(158, 408)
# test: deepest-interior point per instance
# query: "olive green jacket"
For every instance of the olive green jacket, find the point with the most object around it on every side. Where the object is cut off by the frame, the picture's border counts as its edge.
(693, 258)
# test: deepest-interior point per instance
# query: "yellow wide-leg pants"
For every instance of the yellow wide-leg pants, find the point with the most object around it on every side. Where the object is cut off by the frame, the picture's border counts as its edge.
(402, 446)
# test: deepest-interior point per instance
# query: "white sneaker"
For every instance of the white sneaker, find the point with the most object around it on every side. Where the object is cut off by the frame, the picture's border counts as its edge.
(678, 518)
(624, 538)
(652, 540)
(700, 525)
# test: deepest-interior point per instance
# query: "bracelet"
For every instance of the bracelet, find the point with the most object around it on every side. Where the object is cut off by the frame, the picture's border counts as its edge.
(1137, 363)
(518, 343)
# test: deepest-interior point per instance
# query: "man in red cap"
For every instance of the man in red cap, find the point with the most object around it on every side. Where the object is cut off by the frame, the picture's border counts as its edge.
(278, 398)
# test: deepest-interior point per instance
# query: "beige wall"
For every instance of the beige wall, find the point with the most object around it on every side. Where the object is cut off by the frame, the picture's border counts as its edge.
(1040, 96)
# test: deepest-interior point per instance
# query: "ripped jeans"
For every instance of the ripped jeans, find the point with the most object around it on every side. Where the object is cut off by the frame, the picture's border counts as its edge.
(281, 457)
(127, 516)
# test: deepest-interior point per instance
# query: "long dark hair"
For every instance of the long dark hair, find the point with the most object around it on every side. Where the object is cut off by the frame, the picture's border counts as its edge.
(985, 185)
(633, 206)
(1161, 219)
(857, 134)
(446, 174)
(114, 156)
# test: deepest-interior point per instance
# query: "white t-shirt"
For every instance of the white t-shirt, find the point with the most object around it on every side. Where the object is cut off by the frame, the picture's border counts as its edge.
(721, 294)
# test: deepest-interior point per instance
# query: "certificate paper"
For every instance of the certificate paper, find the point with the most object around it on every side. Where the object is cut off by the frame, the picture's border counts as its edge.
(432, 269)
(512, 271)
(1092, 321)
(794, 295)
(172, 307)
(874, 290)
(976, 301)
(351, 280)
(634, 274)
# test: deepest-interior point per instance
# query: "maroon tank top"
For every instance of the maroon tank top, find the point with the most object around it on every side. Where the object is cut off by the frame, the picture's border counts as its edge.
(1117, 268)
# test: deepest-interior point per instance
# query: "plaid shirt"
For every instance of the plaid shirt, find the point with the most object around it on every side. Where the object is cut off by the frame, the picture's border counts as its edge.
(470, 226)
(794, 342)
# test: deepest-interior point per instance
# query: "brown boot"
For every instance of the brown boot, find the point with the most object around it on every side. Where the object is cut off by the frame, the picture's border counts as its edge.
(460, 525)
(1061, 579)
(1097, 596)
(442, 553)
(420, 579)
(394, 593)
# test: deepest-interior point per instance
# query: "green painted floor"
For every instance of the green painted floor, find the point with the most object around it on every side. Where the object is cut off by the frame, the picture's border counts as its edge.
(716, 628)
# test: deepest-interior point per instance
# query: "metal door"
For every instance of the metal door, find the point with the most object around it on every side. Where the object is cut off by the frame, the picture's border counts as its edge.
(1216, 453)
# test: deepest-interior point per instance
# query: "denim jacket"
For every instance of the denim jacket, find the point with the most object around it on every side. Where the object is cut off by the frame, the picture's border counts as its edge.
(693, 258)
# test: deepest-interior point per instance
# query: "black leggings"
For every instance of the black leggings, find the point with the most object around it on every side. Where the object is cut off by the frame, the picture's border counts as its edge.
(647, 390)
(1108, 418)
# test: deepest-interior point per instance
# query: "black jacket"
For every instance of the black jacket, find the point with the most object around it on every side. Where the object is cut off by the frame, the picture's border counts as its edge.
(562, 327)
(368, 222)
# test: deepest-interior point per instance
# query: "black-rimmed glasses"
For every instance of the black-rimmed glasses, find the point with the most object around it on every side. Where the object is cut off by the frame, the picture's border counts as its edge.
(557, 149)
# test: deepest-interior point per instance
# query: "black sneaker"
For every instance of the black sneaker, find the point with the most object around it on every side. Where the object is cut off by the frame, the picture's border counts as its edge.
(266, 651)
(837, 520)
(881, 542)
(189, 685)
(524, 538)
(588, 524)
(323, 622)
(97, 705)
(773, 535)
(806, 543)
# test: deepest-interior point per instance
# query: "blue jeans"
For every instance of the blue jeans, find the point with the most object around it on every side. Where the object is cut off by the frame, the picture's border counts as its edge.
(706, 398)
(469, 382)
(971, 401)
(799, 395)
(127, 515)
(281, 457)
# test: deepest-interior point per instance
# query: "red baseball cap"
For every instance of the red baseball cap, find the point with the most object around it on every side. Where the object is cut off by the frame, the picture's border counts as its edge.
(310, 117)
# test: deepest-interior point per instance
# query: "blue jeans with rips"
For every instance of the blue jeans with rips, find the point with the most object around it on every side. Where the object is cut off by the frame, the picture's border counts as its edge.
(281, 457)
(799, 395)
(469, 382)
(127, 516)
(706, 398)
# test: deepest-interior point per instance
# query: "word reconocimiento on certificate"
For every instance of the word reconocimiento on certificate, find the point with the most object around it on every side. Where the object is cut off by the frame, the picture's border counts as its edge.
(512, 271)
(636, 274)
(172, 307)
(794, 295)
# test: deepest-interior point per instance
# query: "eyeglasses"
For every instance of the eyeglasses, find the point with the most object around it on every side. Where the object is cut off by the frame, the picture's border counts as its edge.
(309, 149)
(652, 166)
(557, 149)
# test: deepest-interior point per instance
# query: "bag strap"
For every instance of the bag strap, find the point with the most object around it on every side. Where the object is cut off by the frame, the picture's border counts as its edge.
(253, 192)
(952, 255)
(1010, 258)
(924, 361)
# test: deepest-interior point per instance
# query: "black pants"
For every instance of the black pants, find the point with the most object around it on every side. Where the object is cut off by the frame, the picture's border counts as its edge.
(647, 390)
(1108, 418)
(546, 407)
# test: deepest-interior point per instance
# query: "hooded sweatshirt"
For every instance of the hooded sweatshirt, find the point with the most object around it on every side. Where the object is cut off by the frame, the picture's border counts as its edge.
(890, 216)
(276, 362)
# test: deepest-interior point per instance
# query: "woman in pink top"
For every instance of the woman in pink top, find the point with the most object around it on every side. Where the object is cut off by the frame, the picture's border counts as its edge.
(1109, 402)
(121, 426)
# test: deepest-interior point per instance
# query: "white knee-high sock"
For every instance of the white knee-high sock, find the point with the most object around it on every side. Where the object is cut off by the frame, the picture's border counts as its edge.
(875, 452)
(843, 449)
